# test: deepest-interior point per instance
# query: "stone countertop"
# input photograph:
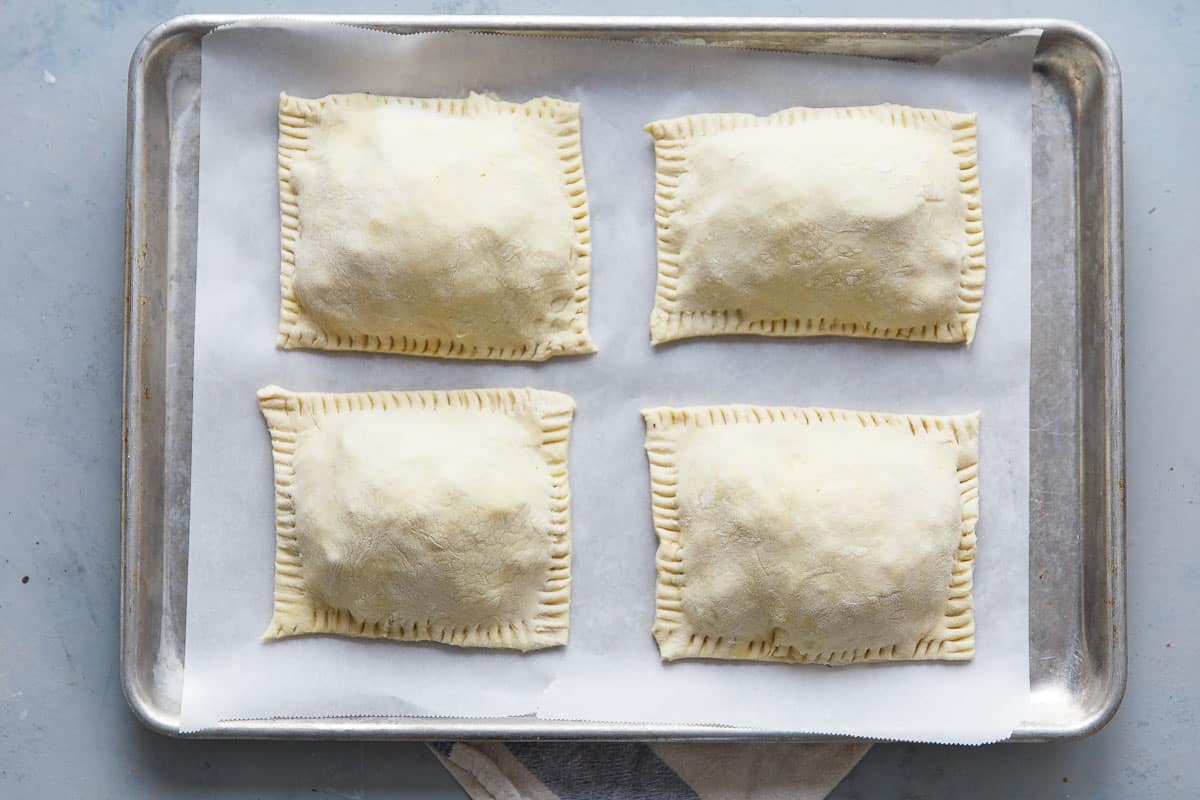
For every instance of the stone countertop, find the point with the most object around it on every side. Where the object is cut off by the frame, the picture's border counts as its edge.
(64, 728)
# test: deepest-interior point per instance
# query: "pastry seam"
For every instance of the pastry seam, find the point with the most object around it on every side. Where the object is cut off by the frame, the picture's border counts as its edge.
(953, 639)
(296, 612)
(297, 115)
(671, 140)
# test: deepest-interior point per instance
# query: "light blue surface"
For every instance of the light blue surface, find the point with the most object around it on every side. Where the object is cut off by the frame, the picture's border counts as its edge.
(64, 728)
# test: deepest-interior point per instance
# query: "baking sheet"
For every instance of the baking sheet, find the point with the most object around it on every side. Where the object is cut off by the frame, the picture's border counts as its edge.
(610, 670)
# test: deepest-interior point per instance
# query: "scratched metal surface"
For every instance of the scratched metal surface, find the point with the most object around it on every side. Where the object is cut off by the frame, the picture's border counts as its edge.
(61, 208)
(1077, 631)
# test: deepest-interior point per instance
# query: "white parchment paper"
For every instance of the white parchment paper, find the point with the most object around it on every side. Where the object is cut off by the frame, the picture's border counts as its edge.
(610, 671)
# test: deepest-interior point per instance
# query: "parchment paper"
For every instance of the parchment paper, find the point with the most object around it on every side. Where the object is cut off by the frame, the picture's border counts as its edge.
(610, 671)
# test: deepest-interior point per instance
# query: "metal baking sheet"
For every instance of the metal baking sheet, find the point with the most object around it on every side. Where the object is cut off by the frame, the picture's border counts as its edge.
(1076, 504)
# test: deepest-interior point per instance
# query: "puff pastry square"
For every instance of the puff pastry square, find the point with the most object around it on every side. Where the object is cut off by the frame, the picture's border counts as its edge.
(434, 516)
(859, 222)
(812, 535)
(450, 228)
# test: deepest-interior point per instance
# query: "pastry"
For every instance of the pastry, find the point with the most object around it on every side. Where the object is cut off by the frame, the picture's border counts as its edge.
(819, 221)
(439, 516)
(451, 228)
(813, 535)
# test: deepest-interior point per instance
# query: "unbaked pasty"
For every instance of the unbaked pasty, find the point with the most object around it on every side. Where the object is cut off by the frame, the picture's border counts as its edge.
(440, 516)
(813, 535)
(451, 228)
(819, 221)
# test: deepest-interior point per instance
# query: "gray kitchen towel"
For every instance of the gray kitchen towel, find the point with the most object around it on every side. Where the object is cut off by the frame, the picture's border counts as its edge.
(634, 771)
